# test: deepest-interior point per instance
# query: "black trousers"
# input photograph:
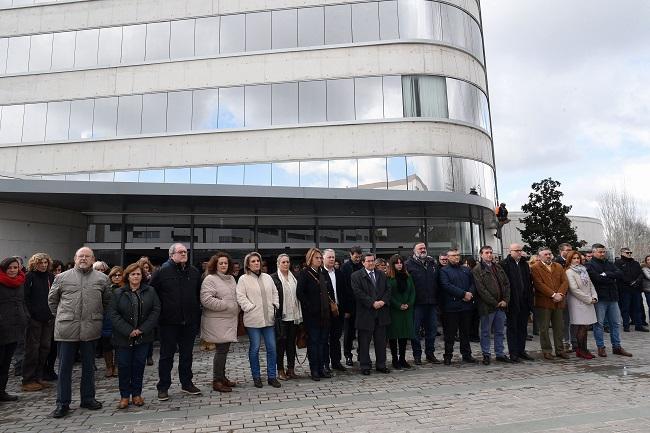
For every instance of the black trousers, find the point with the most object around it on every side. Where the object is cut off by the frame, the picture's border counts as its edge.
(6, 353)
(516, 332)
(37, 348)
(285, 342)
(349, 332)
(393, 343)
(173, 338)
(333, 347)
(453, 323)
(378, 336)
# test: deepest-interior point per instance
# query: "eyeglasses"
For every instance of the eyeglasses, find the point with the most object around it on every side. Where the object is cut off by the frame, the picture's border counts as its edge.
(516, 251)
(180, 252)
(627, 252)
(116, 275)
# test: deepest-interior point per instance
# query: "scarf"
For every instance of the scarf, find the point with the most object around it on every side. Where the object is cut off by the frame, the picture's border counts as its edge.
(582, 271)
(402, 281)
(17, 281)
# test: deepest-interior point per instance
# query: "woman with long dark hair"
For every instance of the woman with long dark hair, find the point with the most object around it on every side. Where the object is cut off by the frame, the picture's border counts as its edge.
(14, 317)
(402, 297)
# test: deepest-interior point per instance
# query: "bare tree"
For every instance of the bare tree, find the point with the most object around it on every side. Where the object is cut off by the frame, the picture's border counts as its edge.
(624, 224)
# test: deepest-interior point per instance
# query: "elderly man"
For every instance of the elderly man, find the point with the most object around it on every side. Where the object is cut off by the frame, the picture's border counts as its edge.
(521, 302)
(178, 285)
(77, 300)
(551, 286)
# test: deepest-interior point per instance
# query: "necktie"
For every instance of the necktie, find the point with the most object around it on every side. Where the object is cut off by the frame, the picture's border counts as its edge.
(372, 277)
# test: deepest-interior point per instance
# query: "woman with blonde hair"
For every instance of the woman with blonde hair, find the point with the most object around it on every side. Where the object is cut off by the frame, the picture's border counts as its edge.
(258, 297)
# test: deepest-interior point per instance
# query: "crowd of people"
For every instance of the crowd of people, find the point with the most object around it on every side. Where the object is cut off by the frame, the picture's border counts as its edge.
(71, 314)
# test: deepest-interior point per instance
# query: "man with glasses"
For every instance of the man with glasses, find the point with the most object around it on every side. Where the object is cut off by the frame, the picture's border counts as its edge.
(630, 300)
(605, 275)
(178, 285)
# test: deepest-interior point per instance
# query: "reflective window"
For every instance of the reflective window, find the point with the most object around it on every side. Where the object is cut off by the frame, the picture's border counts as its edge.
(343, 173)
(58, 119)
(372, 173)
(313, 174)
(154, 113)
(455, 27)
(257, 174)
(231, 107)
(105, 118)
(204, 175)
(388, 22)
(102, 177)
(392, 86)
(126, 176)
(81, 119)
(40, 54)
(11, 123)
(368, 98)
(34, 123)
(340, 99)
(311, 27)
(152, 176)
(179, 111)
(257, 106)
(468, 175)
(177, 175)
(230, 175)
(63, 50)
(4, 44)
(133, 43)
(258, 31)
(18, 55)
(129, 115)
(286, 174)
(415, 19)
(312, 101)
(206, 110)
(181, 44)
(338, 24)
(285, 29)
(78, 177)
(284, 109)
(365, 22)
(206, 36)
(425, 96)
(483, 111)
(429, 173)
(85, 53)
(233, 34)
(463, 101)
(490, 188)
(396, 170)
(157, 45)
(110, 46)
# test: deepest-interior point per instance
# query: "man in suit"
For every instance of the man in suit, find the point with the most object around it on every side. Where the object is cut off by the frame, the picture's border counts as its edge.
(372, 313)
(569, 340)
(337, 283)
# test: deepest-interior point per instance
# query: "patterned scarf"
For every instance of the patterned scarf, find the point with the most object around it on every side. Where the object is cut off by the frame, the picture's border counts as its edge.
(582, 271)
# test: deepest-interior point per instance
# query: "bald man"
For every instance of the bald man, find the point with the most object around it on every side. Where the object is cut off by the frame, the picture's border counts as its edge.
(77, 299)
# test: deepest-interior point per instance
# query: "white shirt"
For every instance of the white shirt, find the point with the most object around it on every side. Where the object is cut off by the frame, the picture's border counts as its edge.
(332, 274)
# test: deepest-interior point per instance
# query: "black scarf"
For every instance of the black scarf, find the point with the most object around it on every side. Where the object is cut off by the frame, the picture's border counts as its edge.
(402, 281)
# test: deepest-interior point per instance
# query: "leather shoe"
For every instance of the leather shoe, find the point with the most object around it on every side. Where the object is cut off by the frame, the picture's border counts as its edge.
(123, 404)
(163, 395)
(432, 359)
(469, 360)
(91, 405)
(382, 370)
(274, 383)
(149, 360)
(515, 360)
(257, 382)
(314, 376)
(486, 359)
(60, 411)
(446, 359)
(417, 361)
(338, 367)
(365, 372)
(7, 397)
(230, 383)
(138, 400)
(525, 356)
(549, 356)
(562, 355)
(642, 329)
(504, 359)
(621, 351)
(602, 352)
(348, 361)
(220, 386)
(326, 374)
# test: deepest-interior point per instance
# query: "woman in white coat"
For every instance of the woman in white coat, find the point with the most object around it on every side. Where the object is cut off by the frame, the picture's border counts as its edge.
(220, 314)
(258, 297)
(581, 299)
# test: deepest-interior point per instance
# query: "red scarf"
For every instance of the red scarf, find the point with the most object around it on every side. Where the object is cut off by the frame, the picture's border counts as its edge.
(17, 281)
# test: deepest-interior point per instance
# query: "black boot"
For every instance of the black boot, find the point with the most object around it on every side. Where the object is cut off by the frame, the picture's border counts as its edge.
(393, 352)
(446, 359)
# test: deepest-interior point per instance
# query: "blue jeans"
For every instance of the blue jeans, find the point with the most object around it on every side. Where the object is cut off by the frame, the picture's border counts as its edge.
(130, 363)
(424, 315)
(255, 336)
(607, 310)
(498, 321)
(630, 303)
(317, 337)
(67, 352)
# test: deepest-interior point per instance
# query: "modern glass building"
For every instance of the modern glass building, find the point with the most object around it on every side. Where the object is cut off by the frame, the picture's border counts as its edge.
(129, 125)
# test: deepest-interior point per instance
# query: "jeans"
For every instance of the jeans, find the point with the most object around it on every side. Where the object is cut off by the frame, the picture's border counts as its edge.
(37, 349)
(457, 322)
(255, 336)
(219, 361)
(516, 332)
(316, 342)
(286, 343)
(172, 338)
(67, 353)
(555, 317)
(496, 320)
(630, 304)
(6, 353)
(131, 361)
(610, 311)
(424, 316)
(332, 349)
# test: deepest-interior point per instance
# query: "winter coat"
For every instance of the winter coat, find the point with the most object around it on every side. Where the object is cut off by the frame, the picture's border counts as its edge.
(220, 309)
(546, 283)
(13, 314)
(134, 310)
(605, 285)
(522, 294)
(37, 288)
(258, 298)
(581, 310)
(178, 290)
(632, 274)
(366, 294)
(78, 300)
(347, 269)
(308, 291)
(492, 287)
(401, 321)
(646, 279)
(107, 324)
(455, 281)
(425, 278)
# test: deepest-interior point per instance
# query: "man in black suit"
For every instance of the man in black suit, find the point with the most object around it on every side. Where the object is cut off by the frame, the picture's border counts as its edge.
(337, 283)
(349, 331)
(372, 297)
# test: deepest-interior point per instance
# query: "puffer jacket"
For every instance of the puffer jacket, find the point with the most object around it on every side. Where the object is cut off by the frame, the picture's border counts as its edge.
(258, 298)
(134, 310)
(220, 309)
(77, 300)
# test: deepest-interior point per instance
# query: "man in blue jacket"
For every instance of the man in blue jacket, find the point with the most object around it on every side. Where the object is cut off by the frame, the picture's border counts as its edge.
(457, 293)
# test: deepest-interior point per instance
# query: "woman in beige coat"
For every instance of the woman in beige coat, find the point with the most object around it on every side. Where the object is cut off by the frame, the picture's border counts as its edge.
(258, 297)
(581, 299)
(220, 314)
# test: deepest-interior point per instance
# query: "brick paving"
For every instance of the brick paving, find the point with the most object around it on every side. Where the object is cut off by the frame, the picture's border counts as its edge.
(605, 394)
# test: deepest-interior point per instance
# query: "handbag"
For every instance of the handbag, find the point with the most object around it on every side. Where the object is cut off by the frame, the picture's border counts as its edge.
(334, 308)
(301, 337)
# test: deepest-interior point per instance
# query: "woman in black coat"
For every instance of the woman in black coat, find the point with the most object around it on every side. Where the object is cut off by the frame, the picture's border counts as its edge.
(134, 311)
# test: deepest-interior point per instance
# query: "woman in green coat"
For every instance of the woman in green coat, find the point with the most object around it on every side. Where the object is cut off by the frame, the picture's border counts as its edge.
(402, 298)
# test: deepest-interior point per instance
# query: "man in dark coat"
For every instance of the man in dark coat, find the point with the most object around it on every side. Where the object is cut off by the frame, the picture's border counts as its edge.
(178, 285)
(373, 315)
(337, 286)
(521, 302)
(349, 331)
(629, 286)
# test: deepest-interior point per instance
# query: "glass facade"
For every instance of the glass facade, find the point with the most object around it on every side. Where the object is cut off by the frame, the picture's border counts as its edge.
(348, 99)
(371, 21)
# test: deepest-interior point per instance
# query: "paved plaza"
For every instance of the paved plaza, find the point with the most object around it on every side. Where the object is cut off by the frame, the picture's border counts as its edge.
(606, 394)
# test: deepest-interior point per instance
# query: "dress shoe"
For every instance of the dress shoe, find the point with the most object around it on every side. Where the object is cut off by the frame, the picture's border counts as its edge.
(50, 376)
(417, 361)
(138, 400)
(257, 382)
(44, 384)
(314, 376)
(641, 328)
(191, 389)
(432, 359)
(339, 367)
(123, 404)
(229, 382)
(163, 395)
(220, 386)
(348, 361)
(31, 387)
(395, 364)
(291, 373)
(602, 352)
(60, 411)
(562, 355)
(282, 375)
(404, 364)
(525, 356)
(529, 337)
(325, 374)
(549, 356)
(515, 359)
(274, 382)
(365, 372)
(446, 359)
(504, 359)
(149, 360)
(486, 359)
(382, 370)
(7, 397)
(620, 351)
(328, 370)
(91, 405)
(626, 329)
(469, 360)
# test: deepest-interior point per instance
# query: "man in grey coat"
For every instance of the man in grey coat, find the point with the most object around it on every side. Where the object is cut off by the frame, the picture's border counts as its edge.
(372, 313)
(77, 300)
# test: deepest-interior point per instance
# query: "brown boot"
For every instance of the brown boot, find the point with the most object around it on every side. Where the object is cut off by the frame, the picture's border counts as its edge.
(282, 375)
(602, 352)
(220, 386)
(229, 382)
(45, 385)
(108, 359)
(123, 404)
(32, 386)
(620, 351)
(291, 373)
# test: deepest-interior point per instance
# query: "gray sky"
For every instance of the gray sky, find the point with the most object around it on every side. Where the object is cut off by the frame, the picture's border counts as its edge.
(570, 95)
